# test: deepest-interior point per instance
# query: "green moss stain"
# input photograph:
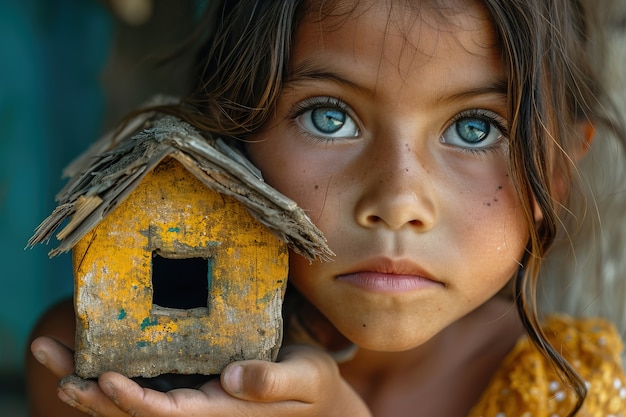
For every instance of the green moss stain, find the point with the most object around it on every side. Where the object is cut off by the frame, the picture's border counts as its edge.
(122, 314)
(210, 274)
(147, 322)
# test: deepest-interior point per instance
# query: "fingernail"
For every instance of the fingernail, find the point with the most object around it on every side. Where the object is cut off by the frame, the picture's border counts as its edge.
(40, 356)
(233, 379)
(68, 394)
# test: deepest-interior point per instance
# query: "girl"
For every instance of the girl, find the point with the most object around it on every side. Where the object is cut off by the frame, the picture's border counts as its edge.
(433, 142)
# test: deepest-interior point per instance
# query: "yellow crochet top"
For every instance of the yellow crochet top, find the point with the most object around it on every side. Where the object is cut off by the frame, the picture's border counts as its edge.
(526, 385)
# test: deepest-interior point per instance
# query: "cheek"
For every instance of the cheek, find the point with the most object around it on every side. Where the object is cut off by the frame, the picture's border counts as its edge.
(306, 178)
(488, 222)
(500, 238)
(308, 189)
(487, 194)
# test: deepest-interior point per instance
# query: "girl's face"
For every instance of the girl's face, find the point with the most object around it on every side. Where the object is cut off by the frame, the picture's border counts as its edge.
(391, 133)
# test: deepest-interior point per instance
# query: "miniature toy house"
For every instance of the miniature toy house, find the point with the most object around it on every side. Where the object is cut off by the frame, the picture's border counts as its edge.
(180, 254)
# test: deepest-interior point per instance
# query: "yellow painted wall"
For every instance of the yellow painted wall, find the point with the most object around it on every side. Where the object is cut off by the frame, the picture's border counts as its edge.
(173, 213)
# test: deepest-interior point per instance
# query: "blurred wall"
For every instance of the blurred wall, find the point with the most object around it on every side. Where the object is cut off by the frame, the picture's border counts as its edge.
(51, 105)
(70, 69)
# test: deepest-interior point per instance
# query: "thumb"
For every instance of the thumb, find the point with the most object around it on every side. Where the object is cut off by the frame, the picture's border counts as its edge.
(253, 381)
(297, 377)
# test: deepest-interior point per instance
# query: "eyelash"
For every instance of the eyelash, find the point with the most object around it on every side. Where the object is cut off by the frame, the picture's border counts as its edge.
(316, 102)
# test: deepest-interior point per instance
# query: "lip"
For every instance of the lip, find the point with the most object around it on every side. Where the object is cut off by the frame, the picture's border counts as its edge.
(385, 275)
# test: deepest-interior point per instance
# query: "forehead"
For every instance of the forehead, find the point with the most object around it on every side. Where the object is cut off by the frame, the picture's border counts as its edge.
(409, 8)
(404, 35)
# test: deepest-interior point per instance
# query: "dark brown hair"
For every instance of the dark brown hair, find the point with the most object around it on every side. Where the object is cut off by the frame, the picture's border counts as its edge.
(551, 88)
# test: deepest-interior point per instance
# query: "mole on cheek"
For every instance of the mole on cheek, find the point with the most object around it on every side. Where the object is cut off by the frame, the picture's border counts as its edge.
(495, 199)
(317, 187)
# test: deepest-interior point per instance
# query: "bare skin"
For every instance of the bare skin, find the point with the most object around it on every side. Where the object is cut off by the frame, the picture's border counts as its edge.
(441, 369)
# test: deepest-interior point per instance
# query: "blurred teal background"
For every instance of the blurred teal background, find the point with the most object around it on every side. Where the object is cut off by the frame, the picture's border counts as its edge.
(69, 70)
(51, 107)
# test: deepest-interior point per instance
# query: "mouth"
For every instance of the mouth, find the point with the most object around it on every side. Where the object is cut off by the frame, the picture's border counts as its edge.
(384, 275)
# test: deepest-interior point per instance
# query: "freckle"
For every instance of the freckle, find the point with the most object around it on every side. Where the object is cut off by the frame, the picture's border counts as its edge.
(488, 204)
(364, 325)
(499, 187)
(317, 187)
(495, 200)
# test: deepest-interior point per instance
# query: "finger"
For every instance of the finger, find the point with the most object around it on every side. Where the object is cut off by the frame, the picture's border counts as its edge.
(87, 396)
(143, 402)
(298, 376)
(55, 356)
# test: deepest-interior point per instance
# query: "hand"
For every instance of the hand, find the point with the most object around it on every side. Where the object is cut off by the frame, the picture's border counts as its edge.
(305, 382)
(59, 359)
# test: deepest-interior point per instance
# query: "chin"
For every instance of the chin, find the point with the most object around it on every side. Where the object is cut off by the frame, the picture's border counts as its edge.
(387, 340)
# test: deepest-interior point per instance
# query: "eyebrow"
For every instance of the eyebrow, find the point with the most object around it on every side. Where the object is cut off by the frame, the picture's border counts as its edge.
(311, 70)
(498, 87)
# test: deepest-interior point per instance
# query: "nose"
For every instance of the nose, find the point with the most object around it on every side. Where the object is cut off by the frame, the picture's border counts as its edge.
(397, 192)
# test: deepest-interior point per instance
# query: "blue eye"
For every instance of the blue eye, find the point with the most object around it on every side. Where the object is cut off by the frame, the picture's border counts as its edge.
(326, 117)
(327, 120)
(474, 129)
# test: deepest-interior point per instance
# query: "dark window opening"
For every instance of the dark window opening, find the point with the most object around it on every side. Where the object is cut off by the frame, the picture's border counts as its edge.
(180, 283)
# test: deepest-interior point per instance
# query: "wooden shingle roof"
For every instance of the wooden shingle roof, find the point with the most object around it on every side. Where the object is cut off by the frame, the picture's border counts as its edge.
(111, 169)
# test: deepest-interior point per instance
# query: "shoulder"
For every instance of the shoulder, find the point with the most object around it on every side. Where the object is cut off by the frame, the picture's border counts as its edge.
(526, 382)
